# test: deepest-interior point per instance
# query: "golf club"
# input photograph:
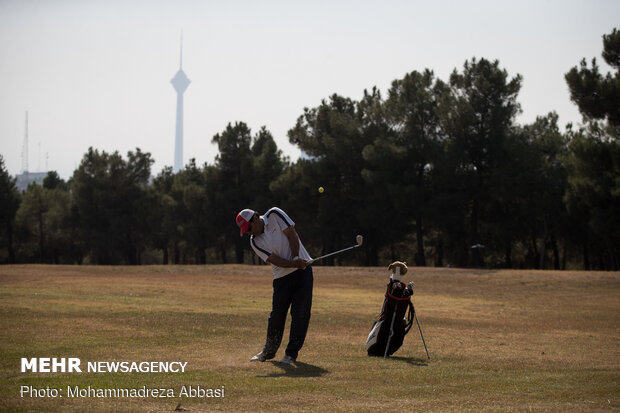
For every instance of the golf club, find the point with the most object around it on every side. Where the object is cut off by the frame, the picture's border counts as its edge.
(359, 239)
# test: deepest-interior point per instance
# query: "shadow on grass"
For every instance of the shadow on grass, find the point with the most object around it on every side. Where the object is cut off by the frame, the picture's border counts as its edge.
(412, 360)
(297, 369)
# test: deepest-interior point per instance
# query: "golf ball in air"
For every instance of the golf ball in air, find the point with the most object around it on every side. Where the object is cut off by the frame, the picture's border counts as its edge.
(321, 189)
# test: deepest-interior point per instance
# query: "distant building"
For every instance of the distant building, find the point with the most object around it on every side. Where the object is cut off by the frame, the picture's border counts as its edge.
(27, 178)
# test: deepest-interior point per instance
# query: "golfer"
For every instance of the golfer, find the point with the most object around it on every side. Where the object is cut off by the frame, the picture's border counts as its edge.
(274, 239)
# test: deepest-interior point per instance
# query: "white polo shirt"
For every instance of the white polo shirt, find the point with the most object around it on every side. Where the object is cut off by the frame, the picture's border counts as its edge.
(274, 241)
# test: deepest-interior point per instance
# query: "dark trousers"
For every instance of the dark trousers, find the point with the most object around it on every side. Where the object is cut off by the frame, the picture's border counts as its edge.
(295, 291)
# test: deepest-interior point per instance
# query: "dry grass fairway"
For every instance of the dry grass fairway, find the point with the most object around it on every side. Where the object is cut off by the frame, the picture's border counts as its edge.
(499, 340)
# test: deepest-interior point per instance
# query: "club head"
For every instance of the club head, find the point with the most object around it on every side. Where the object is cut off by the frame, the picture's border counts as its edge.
(359, 240)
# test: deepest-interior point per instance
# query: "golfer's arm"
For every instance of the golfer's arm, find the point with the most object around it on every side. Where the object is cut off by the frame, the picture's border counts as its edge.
(281, 262)
(293, 240)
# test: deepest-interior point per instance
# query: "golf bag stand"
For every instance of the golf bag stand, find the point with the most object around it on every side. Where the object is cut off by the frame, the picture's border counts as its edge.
(421, 335)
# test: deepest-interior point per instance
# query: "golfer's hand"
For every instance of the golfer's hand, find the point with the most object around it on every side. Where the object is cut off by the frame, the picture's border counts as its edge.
(301, 264)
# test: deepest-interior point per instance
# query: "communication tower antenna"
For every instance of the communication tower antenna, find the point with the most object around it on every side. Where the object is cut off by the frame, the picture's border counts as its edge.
(25, 148)
(180, 82)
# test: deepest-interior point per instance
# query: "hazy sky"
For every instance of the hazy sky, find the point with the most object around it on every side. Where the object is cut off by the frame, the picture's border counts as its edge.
(97, 72)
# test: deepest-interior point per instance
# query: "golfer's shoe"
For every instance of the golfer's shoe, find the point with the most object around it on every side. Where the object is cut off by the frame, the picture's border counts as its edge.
(262, 356)
(287, 360)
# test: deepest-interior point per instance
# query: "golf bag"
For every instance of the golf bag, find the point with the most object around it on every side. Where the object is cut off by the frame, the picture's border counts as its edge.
(395, 321)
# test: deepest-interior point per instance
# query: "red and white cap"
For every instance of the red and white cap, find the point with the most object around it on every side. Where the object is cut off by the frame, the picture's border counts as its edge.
(243, 220)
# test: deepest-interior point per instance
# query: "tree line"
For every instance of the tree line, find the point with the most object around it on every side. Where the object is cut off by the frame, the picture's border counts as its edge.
(437, 173)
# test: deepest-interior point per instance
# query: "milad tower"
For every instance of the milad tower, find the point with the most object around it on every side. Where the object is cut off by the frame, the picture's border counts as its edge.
(180, 83)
